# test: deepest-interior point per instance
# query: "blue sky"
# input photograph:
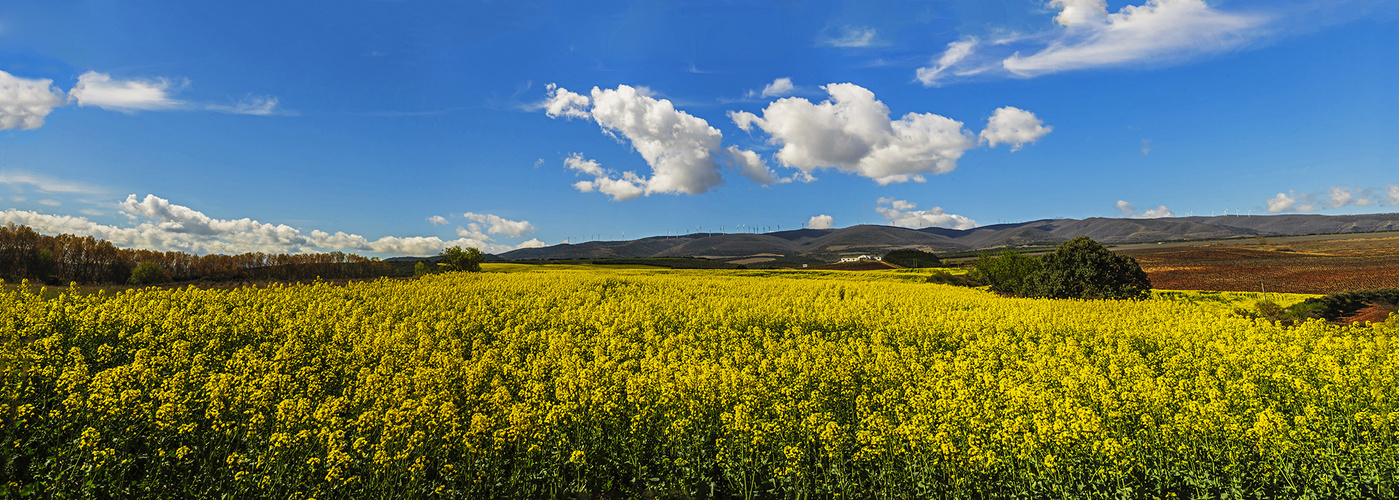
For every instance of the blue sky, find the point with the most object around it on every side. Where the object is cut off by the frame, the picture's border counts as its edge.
(398, 127)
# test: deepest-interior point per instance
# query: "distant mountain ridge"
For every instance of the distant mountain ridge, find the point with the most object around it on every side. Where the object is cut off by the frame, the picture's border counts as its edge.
(872, 239)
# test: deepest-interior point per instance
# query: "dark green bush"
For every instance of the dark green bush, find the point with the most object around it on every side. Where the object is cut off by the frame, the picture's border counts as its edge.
(914, 259)
(1083, 269)
(147, 273)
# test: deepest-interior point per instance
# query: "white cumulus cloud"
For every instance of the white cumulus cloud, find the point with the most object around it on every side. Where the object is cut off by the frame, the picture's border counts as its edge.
(532, 243)
(1013, 126)
(499, 225)
(752, 166)
(24, 103)
(1281, 203)
(578, 163)
(437, 220)
(605, 181)
(678, 146)
(683, 151)
(904, 214)
(1079, 12)
(822, 221)
(561, 102)
(1130, 211)
(778, 88)
(852, 132)
(896, 204)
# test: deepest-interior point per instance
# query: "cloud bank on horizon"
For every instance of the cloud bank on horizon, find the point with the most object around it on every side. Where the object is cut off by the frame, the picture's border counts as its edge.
(1130, 211)
(157, 224)
(904, 214)
(1334, 197)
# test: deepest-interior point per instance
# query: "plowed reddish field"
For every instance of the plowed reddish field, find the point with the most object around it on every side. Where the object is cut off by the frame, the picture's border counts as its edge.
(1314, 267)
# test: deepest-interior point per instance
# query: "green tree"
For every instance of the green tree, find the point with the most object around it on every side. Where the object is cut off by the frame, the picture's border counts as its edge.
(1083, 269)
(1007, 273)
(147, 273)
(911, 258)
(456, 258)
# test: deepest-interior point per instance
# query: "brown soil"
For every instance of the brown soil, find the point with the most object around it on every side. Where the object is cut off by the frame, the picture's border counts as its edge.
(1324, 267)
(1374, 313)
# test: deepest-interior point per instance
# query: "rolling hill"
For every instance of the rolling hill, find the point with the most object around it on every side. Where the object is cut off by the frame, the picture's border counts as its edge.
(830, 244)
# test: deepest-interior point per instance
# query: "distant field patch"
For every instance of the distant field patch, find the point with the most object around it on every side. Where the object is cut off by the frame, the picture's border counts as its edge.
(1309, 267)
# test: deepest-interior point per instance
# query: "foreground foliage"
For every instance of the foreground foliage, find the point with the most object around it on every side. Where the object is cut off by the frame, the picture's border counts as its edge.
(681, 384)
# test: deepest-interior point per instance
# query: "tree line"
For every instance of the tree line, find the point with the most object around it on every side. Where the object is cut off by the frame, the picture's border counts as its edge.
(26, 254)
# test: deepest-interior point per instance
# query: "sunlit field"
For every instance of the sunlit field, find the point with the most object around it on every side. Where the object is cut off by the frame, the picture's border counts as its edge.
(554, 381)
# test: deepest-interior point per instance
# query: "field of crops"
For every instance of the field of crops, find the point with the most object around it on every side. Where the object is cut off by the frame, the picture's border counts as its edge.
(542, 382)
(1315, 267)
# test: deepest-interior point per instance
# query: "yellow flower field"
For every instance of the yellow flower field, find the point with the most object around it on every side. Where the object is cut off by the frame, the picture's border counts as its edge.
(544, 382)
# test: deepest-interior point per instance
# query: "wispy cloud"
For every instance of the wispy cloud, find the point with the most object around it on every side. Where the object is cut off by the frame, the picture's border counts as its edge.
(253, 105)
(1160, 30)
(1087, 36)
(854, 36)
(24, 103)
(45, 183)
(103, 91)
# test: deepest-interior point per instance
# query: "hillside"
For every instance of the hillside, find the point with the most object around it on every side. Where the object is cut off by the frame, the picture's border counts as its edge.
(829, 244)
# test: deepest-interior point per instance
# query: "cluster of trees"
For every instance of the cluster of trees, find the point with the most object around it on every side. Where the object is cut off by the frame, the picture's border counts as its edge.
(26, 254)
(1079, 269)
(915, 259)
(453, 258)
